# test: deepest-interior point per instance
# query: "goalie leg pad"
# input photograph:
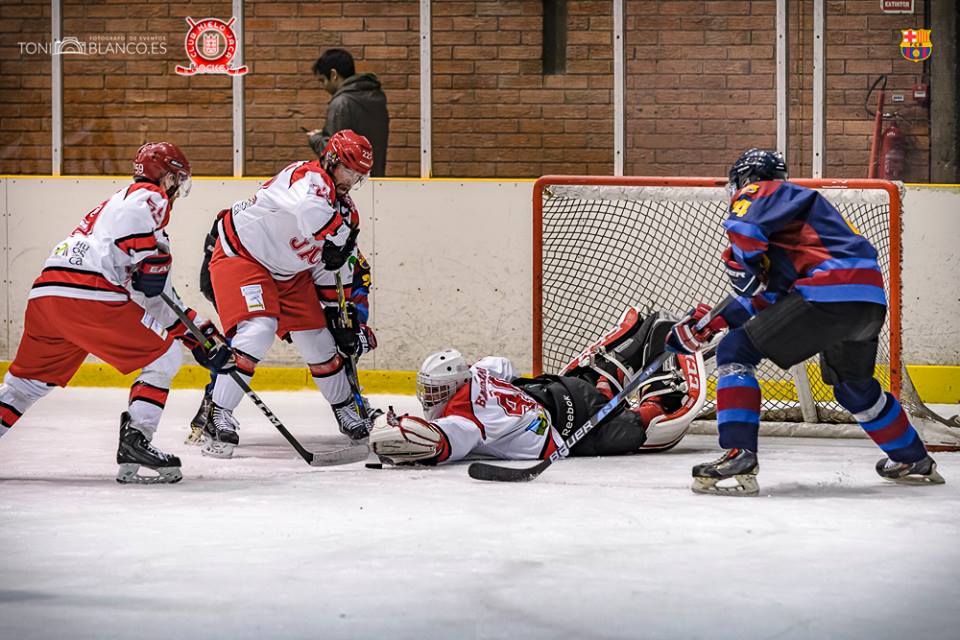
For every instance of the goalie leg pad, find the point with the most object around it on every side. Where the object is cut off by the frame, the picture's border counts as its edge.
(408, 440)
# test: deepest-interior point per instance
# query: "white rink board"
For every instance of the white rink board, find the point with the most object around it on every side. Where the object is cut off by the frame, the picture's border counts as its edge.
(452, 261)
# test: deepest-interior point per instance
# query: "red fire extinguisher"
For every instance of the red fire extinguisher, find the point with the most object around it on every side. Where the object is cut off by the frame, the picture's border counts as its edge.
(893, 153)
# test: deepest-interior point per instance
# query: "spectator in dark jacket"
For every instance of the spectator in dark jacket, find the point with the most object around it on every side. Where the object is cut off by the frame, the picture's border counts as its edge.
(356, 102)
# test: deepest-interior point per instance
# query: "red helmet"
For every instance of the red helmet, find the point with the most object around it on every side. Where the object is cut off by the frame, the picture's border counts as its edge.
(350, 149)
(155, 160)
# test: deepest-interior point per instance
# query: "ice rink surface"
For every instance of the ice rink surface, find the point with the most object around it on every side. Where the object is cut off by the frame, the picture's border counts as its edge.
(264, 546)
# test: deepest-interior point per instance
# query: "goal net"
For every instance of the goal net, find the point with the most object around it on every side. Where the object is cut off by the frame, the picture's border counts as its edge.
(603, 243)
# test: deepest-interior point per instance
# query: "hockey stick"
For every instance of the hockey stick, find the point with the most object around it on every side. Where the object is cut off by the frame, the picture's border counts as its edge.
(350, 363)
(495, 473)
(319, 459)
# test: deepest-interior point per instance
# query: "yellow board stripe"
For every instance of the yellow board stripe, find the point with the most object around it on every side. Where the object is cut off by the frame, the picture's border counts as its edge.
(92, 374)
(938, 384)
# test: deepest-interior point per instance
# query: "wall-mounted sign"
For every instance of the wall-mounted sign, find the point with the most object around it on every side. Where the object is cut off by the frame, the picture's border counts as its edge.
(896, 6)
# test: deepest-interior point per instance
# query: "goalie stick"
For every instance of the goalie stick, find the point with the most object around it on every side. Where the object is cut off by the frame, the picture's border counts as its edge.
(315, 459)
(496, 473)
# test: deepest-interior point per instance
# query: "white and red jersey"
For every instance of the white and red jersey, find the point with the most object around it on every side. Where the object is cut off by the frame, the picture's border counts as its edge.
(96, 260)
(491, 417)
(284, 225)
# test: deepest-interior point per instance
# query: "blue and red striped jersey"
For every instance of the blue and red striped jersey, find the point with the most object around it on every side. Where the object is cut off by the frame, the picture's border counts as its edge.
(801, 242)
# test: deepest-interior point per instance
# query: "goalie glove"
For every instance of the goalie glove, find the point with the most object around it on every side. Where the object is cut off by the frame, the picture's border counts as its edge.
(685, 338)
(408, 439)
(745, 283)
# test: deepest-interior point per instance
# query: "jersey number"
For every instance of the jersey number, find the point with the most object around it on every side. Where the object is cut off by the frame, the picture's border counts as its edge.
(86, 225)
(513, 403)
(740, 207)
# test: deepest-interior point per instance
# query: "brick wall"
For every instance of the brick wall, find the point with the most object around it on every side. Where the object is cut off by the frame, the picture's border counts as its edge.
(114, 102)
(700, 85)
(496, 114)
(25, 145)
(282, 95)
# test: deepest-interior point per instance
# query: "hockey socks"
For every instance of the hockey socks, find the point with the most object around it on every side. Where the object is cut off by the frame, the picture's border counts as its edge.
(738, 408)
(883, 418)
(16, 396)
(146, 405)
(226, 392)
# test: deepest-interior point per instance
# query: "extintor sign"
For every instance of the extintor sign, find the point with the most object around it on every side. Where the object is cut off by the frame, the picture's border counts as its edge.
(896, 6)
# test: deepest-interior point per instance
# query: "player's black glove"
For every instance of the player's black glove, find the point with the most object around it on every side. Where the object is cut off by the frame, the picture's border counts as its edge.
(333, 257)
(355, 340)
(151, 275)
(214, 354)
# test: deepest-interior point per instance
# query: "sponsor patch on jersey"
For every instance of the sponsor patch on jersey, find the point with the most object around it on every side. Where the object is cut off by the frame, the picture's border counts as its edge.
(253, 294)
(151, 323)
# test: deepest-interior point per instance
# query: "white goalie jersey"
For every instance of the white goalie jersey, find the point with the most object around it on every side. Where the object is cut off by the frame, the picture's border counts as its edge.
(490, 417)
(284, 225)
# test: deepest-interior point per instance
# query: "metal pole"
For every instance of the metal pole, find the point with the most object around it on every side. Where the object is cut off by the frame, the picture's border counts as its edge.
(426, 93)
(56, 89)
(783, 80)
(819, 87)
(238, 110)
(619, 88)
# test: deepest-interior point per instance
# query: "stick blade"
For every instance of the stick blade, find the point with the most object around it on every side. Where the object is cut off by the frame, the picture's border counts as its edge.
(494, 473)
(346, 455)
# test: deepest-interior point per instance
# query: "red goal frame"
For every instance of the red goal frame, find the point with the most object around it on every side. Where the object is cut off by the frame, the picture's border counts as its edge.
(894, 302)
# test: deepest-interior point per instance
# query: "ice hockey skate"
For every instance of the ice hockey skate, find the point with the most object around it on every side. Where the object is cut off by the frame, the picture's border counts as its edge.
(200, 420)
(351, 424)
(736, 464)
(220, 433)
(923, 471)
(135, 451)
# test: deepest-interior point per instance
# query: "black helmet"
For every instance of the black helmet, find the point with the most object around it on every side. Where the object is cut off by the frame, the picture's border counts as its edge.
(757, 164)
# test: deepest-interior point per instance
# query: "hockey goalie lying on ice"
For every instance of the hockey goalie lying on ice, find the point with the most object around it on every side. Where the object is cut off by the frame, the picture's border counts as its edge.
(489, 410)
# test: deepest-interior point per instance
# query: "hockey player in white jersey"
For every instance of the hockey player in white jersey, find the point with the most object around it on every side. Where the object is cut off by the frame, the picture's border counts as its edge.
(85, 301)
(272, 253)
(489, 410)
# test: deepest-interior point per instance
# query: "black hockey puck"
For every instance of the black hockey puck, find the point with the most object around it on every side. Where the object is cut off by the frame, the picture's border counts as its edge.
(374, 465)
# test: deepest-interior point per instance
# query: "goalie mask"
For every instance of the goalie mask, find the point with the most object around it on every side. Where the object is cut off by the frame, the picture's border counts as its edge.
(441, 375)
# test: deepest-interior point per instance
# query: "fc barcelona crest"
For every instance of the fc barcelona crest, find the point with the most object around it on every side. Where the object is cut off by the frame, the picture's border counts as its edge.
(916, 45)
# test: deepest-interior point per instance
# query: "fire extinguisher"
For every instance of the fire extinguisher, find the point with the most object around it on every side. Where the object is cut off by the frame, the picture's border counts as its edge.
(893, 153)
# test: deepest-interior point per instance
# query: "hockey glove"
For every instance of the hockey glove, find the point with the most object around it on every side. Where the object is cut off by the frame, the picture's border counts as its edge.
(150, 278)
(214, 354)
(354, 341)
(745, 283)
(333, 257)
(408, 439)
(685, 338)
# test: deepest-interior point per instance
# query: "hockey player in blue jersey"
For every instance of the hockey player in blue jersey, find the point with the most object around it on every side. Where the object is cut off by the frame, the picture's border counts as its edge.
(807, 283)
